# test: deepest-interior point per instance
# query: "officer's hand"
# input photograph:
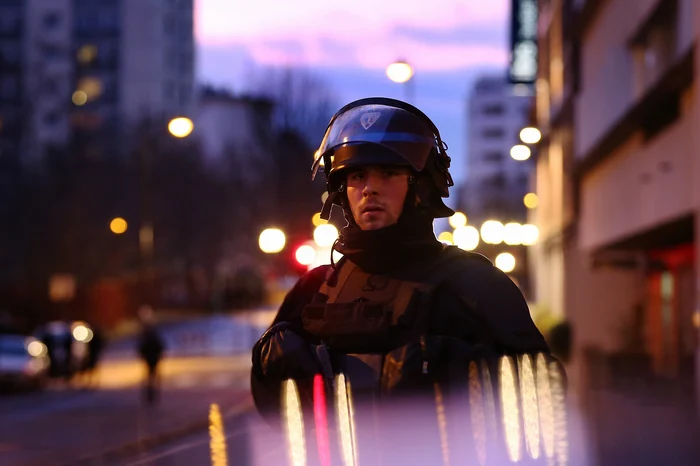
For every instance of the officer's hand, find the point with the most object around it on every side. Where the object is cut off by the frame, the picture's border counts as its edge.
(282, 354)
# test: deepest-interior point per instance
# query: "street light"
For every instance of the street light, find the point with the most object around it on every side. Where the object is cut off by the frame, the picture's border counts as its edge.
(401, 72)
(530, 135)
(325, 235)
(466, 237)
(271, 240)
(505, 261)
(492, 232)
(520, 152)
(531, 200)
(458, 220)
(180, 127)
(118, 225)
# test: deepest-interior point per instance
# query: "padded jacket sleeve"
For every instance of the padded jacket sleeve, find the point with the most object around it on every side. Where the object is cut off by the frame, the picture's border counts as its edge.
(266, 386)
(481, 304)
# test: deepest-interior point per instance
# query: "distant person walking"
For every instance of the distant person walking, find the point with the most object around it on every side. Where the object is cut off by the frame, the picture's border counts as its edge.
(151, 348)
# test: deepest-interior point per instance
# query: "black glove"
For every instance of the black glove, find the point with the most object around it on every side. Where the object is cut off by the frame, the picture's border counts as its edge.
(282, 354)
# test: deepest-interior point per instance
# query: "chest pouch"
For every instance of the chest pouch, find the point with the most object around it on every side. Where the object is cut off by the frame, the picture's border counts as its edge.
(356, 312)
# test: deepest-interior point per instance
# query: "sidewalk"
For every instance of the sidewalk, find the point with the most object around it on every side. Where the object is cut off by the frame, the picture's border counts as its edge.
(109, 425)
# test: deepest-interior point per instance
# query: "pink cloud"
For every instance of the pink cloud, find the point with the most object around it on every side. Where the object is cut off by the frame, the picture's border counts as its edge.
(364, 29)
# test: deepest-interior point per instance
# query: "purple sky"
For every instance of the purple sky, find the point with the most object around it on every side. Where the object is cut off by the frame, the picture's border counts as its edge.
(350, 44)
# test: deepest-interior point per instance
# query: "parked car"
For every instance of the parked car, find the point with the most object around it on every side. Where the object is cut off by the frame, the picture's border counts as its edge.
(24, 362)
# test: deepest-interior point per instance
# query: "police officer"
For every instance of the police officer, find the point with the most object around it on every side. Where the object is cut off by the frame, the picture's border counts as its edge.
(400, 314)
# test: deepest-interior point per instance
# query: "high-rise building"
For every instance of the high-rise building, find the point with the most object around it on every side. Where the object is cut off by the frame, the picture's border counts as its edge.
(92, 68)
(495, 182)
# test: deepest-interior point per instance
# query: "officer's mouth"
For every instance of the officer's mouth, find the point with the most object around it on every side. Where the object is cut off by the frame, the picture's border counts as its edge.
(372, 209)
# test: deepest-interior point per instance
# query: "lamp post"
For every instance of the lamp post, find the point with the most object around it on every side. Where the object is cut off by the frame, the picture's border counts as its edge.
(402, 73)
(180, 127)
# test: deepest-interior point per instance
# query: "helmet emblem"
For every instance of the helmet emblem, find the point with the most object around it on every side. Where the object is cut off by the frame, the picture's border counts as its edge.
(368, 119)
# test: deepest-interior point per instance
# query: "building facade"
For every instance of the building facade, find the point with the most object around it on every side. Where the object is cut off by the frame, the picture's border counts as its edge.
(495, 183)
(90, 68)
(617, 174)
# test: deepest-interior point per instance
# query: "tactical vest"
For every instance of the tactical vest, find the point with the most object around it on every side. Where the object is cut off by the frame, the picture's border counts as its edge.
(371, 323)
(362, 316)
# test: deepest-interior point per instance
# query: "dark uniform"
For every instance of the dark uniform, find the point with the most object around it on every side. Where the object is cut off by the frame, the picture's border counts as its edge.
(411, 324)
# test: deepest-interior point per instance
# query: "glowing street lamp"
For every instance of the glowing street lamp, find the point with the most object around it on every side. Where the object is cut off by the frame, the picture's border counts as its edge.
(520, 152)
(180, 127)
(458, 220)
(466, 237)
(400, 72)
(505, 261)
(529, 234)
(531, 200)
(492, 232)
(530, 135)
(305, 254)
(512, 235)
(271, 240)
(446, 237)
(325, 235)
(118, 226)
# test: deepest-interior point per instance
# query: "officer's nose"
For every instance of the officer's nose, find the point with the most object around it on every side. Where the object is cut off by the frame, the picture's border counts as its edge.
(372, 184)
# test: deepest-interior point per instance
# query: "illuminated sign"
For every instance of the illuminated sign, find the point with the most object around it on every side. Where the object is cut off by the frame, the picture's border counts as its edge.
(523, 41)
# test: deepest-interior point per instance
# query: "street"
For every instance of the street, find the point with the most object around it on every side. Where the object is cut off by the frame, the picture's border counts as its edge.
(66, 425)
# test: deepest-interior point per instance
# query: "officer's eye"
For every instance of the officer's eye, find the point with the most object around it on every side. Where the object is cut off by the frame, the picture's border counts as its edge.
(357, 175)
(391, 173)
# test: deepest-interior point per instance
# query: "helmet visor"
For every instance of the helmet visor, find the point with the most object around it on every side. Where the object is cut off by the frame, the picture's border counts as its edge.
(392, 128)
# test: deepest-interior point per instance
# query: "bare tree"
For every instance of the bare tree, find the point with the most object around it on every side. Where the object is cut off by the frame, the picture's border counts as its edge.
(304, 102)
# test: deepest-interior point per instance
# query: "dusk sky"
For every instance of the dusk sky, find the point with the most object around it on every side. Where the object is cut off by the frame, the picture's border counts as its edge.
(349, 45)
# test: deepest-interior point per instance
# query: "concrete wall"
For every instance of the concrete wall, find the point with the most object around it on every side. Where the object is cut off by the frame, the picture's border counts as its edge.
(641, 185)
(605, 53)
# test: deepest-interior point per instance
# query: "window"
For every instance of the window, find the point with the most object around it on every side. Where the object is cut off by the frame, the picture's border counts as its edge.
(9, 87)
(52, 118)
(169, 90)
(10, 53)
(169, 24)
(51, 20)
(493, 133)
(493, 109)
(654, 44)
(493, 157)
(10, 20)
(51, 85)
(494, 183)
(184, 95)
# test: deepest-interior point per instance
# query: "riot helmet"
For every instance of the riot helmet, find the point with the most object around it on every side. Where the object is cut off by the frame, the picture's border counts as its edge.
(383, 131)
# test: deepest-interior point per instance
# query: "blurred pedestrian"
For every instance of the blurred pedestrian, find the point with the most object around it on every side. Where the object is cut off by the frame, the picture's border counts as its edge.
(94, 350)
(151, 348)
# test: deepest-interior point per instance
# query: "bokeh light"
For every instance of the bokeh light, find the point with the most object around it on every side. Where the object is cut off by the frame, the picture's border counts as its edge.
(305, 254)
(325, 235)
(399, 72)
(180, 127)
(529, 234)
(512, 234)
(531, 200)
(505, 261)
(458, 220)
(466, 237)
(520, 152)
(530, 135)
(271, 240)
(446, 237)
(492, 232)
(118, 226)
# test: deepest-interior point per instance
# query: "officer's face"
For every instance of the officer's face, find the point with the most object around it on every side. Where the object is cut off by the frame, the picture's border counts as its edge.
(376, 195)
